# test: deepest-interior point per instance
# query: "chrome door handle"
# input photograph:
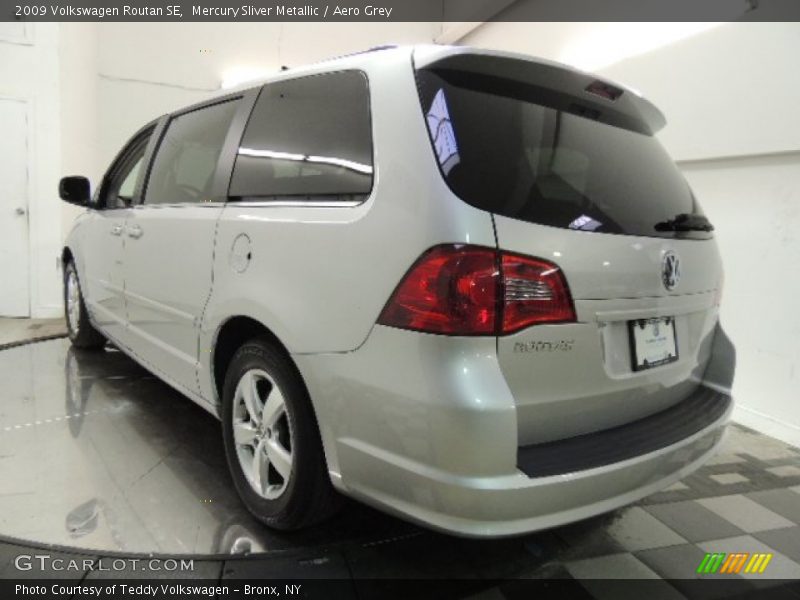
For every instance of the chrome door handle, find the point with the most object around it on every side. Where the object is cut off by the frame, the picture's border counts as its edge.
(135, 232)
(116, 230)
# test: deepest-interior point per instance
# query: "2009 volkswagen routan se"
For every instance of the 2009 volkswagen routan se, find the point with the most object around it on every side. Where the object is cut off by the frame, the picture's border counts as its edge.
(467, 287)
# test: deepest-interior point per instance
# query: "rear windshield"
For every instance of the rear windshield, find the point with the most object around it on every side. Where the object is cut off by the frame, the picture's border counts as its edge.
(501, 148)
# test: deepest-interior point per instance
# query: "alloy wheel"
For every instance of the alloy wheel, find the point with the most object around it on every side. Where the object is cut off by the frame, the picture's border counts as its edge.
(262, 433)
(73, 302)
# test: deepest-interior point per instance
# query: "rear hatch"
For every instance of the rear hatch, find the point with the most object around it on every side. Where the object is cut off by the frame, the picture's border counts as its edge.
(571, 171)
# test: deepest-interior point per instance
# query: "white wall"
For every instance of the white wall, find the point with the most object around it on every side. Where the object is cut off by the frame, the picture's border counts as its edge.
(731, 97)
(731, 91)
(91, 86)
(79, 108)
(182, 64)
(29, 71)
(727, 89)
(755, 205)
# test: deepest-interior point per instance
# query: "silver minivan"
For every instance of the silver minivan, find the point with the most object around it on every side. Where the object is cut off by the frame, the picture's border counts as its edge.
(469, 288)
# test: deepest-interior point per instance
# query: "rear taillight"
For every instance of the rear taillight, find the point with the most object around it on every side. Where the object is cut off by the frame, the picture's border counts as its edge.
(471, 290)
(535, 292)
(450, 289)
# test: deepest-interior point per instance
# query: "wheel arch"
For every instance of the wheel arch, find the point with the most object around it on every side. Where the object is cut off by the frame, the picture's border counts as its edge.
(66, 256)
(230, 335)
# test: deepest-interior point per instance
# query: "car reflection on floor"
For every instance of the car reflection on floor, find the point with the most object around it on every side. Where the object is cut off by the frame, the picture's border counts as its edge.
(98, 454)
(126, 463)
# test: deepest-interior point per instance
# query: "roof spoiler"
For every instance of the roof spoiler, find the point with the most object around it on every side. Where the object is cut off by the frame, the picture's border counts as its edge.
(551, 84)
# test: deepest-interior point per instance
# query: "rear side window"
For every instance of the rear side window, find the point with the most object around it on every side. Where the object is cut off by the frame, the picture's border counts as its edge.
(187, 155)
(502, 149)
(308, 139)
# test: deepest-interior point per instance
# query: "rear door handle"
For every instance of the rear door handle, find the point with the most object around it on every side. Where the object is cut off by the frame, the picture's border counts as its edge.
(116, 230)
(135, 231)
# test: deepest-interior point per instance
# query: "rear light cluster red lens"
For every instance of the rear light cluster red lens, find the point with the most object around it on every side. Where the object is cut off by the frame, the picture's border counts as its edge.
(471, 290)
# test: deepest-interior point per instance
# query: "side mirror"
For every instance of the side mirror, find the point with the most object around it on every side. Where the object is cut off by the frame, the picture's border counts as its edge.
(75, 190)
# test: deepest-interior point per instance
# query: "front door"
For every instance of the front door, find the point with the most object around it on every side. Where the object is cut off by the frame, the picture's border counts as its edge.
(102, 270)
(14, 300)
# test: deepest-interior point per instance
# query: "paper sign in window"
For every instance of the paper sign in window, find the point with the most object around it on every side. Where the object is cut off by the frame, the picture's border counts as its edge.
(441, 129)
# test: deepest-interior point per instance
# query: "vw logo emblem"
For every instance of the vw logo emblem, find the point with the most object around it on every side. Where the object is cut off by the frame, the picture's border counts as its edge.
(670, 270)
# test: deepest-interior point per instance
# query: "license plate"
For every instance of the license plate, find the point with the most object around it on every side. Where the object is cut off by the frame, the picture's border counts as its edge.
(653, 342)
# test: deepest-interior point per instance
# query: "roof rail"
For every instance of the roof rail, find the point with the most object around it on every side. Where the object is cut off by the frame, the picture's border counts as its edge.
(367, 51)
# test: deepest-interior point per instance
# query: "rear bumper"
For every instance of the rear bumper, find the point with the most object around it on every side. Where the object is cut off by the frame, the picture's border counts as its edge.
(425, 427)
(512, 505)
(618, 444)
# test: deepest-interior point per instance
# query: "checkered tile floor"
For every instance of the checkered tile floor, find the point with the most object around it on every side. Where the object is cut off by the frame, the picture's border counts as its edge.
(746, 499)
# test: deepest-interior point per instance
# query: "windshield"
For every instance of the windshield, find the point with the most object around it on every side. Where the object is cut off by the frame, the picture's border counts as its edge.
(502, 146)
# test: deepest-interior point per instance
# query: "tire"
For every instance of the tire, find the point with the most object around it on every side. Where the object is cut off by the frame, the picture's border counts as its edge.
(275, 458)
(80, 330)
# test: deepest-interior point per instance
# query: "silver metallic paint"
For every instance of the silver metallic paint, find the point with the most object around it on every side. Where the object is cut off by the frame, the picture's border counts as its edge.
(422, 425)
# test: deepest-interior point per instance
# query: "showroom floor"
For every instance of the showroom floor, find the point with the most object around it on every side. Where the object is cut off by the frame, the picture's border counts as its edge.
(19, 330)
(97, 456)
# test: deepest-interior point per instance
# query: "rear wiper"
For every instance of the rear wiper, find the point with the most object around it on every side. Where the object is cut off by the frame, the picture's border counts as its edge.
(686, 222)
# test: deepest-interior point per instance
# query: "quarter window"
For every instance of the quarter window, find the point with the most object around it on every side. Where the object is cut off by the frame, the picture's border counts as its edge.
(308, 138)
(128, 184)
(184, 167)
(120, 186)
